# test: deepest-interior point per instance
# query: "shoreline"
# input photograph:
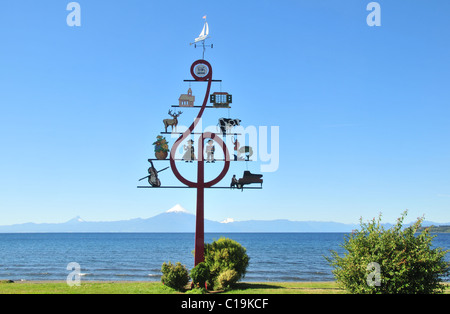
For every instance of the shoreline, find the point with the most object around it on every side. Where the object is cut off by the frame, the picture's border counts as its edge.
(3, 281)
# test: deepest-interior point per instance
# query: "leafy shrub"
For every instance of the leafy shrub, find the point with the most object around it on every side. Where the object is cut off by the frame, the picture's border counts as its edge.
(174, 276)
(227, 278)
(226, 254)
(200, 275)
(407, 262)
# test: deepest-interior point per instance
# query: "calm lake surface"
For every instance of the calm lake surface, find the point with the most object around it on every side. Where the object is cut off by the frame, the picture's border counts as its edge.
(139, 256)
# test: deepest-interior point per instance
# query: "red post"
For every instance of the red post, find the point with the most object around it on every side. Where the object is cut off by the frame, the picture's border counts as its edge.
(200, 216)
(199, 229)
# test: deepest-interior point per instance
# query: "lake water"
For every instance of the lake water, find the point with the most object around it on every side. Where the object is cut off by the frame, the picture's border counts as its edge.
(139, 256)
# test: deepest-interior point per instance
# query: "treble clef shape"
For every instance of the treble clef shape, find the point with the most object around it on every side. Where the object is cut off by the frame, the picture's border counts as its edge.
(200, 170)
(204, 71)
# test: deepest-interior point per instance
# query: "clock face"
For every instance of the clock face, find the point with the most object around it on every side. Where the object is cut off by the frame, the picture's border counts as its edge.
(201, 70)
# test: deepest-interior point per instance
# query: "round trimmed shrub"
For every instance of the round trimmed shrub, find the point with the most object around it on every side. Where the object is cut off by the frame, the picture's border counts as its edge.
(200, 275)
(174, 276)
(223, 255)
(226, 279)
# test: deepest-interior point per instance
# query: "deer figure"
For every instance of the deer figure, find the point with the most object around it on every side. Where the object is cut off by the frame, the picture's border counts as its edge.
(172, 122)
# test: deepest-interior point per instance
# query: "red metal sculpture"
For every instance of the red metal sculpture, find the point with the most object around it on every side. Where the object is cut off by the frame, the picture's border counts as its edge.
(201, 70)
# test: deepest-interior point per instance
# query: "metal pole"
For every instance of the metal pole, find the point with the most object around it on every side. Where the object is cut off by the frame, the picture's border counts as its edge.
(200, 217)
(204, 48)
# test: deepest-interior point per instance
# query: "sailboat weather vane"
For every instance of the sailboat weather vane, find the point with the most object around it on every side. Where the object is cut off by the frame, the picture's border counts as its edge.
(202, 37)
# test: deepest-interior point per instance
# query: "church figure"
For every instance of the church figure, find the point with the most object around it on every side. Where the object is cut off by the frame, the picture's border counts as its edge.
(186, 100)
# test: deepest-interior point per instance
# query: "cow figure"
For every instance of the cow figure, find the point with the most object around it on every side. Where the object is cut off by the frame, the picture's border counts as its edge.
(172, 122)
(227, 124)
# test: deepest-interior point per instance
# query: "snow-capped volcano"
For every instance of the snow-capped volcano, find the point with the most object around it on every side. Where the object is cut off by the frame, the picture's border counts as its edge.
(177, 209)
(227, 221)
(75, 220)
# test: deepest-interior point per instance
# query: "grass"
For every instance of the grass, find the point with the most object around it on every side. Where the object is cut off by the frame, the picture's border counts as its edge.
(287, 288)
(122, 287)
(86, 287)
(158, 288)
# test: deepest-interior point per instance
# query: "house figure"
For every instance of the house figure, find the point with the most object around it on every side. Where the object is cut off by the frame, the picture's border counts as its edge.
(186, 100)
(220, 100)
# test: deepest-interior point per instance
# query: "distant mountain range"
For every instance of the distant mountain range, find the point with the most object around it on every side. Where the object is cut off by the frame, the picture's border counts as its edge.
(177, 219)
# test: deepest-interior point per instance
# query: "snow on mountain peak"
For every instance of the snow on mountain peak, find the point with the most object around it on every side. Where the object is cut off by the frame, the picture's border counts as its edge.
(177, 209)
(76, 219)
(227, 221)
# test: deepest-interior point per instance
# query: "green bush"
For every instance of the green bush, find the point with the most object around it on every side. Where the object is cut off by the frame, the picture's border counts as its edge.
(174, 276)
(200, 275)
(226, 254)
(393, 261)
(226, 279)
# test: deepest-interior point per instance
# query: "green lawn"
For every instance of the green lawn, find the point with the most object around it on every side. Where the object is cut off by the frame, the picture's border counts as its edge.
(158, 288)
(287, 288)
(85, 288)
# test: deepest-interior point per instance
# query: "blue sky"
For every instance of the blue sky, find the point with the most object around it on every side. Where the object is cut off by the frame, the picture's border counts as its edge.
(363, 112)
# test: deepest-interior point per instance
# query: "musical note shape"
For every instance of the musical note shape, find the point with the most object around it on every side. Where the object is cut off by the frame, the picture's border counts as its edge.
(201, 70)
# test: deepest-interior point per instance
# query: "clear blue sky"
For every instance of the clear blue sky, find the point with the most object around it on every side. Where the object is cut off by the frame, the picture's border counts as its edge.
(363, 112)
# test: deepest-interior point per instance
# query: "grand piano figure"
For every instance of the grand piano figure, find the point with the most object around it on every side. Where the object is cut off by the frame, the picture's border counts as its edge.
(249, 178)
